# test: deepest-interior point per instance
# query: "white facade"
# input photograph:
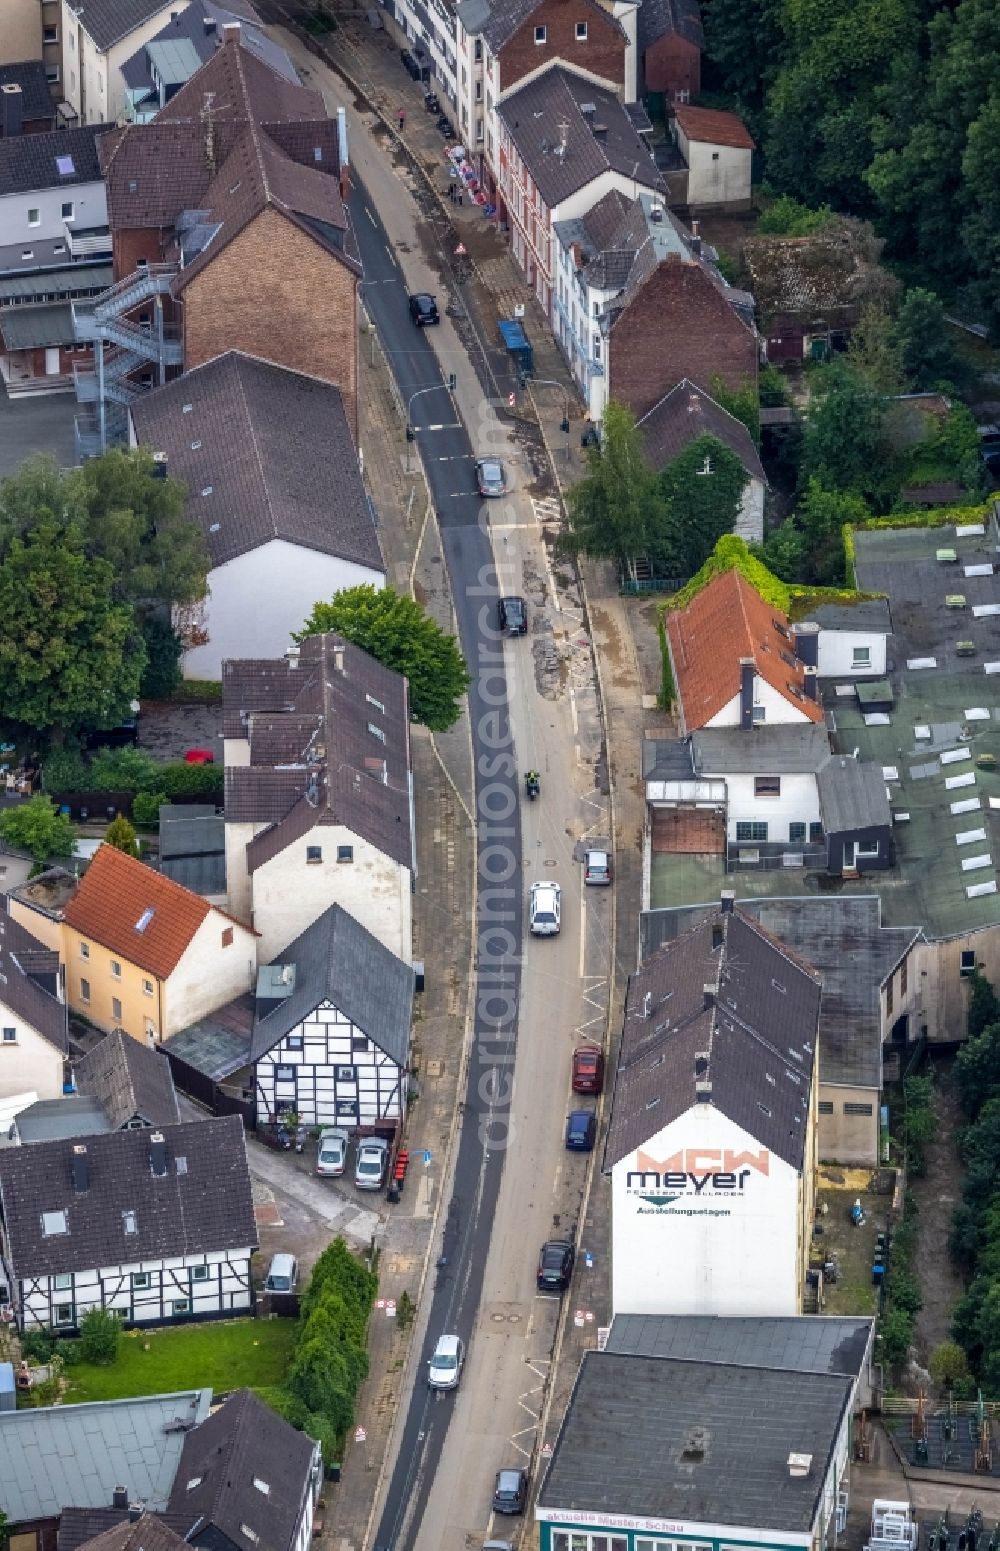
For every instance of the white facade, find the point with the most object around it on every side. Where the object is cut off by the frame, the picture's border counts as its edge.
(219, 964)
(144, 1292)
(36, 228)
(437, 42)
(576, 308)
(851, 653)
(477, 76)
(776, 708)
(330, 1073)
(706, 1221)
(717, 174)
(750, 799)
(288, 893)
(92, 82)
(255, 601)
(29, 1063)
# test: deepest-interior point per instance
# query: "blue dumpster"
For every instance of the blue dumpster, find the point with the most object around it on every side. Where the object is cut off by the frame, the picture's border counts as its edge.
(517, 344)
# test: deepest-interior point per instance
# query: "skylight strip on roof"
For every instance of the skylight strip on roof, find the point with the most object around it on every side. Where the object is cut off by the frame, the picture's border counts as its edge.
(953, 782)
(913, 663)
(890, 773)
(977, 713)
(967, 836)
(968, 805)
(985, 610)
(955, 756)
(978, 570)
(969, 530)
(977, 890)
(991, 667)
(876, 719)
(977, 863)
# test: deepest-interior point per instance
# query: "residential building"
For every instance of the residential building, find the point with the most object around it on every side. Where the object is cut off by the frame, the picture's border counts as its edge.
(275, 486)
(857, 957)
(500, 46)
(55, 246)
(39, 903)
(26, 103)
(134, 1531)
(247, 1475)
(97, 39)
(34, 1038)
(707, 1453)
(687, 413)
(711, 1144)
(564, 143)
(811, 291)
(717, 149)
(53, 1456)
(641, 305)
(120, 1085)
(429, 30)
(852, 636)
(193, 848)
(319, 793)
(145, 955)
(157, 71)
(670, 40)
(21, 35)
(230, 233)
(157, 1226)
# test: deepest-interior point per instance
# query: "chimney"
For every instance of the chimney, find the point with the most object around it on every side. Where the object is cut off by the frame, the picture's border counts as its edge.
(702, 1090)
(600, 131)
(806, 638)
(709, 994)
(338, 659)
(695, 242)
(799, 1465)
(157, 1155)
(119, 1497)
(292, 655)
(810, 685)
(747, 675)
(342, 153)
(727, 900)
(11, 109)
(231, 32)
(81, 1179)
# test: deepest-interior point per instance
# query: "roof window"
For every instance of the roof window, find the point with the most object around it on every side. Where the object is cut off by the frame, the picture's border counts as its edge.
(144, 919)
(66, 169)
(377, 732)
(53, 1223)
(208, 490)
(251, 1534)
(129, 1223)
(262, 1486)
(194, 1481)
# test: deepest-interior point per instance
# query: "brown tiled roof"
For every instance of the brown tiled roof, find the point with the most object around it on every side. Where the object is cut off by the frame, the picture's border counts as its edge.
(833, 272)
(753, 1039)
(274, 449)
(148, 1533)
(79, 1526)
(686, 413)
(714, 127)
(728, 619)
(315, 758)
(115, 894)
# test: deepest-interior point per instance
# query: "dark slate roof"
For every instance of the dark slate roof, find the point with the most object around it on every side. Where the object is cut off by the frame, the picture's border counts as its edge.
(660, 18)
(699, 1442)
(797, 748)
(129, 1080)
(219, 1045)
(534, 113)
(189, 26)
(667, 759)
(30, 977)
(32, 328)
(804, 1343)
(337, 960)
(193, 847)
(758, 1032)
(844, 939)
(205, 1204)
(240, 1444)
(108, 21)
(686, 413)
(852, 795)
(317, 718)
(36, 99)
(867, 614)
(78, 1526)
(49, 1120)
(28, 162)
(149, 1533)
(275, 449)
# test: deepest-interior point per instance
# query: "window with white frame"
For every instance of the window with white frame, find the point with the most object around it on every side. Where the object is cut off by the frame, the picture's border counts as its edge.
(63, 1282)
(968, 961)
(199, 1273)
(10, 1036)
(861, 656)
(540, 34)
(63, 1314)
(141, 1281)
(581, 32)
(67, 210)
(34, 216)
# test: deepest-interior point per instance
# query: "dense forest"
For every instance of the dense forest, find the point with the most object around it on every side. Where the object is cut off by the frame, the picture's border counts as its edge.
(884, 109)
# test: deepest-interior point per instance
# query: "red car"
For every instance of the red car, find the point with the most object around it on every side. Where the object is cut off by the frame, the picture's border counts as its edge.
(199, 757)
(588, 1069)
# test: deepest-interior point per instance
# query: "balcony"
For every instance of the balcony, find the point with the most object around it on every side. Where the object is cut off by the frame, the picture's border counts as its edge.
(87, 244)
(85, 384)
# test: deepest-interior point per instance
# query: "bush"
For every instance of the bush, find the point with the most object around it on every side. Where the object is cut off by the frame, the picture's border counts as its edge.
(121, 836)
(146, 808)
(38, 827)
(131, 770)
(182, 780)
(37, 1346)
(948, 1364)
(162, 673)
(100, 1333)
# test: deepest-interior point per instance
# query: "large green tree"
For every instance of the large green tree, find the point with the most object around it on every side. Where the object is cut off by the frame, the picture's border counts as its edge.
(38, 826)
(71, 656)
(927, 356)
(703, 488)
(399, 633)
(616, 511)
(842, 444)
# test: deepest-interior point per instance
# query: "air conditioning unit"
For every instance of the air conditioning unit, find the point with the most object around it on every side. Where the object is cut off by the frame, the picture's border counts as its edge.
(748, 857)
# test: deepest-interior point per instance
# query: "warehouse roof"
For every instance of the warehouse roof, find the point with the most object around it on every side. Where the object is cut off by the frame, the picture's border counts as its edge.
(805, 1343)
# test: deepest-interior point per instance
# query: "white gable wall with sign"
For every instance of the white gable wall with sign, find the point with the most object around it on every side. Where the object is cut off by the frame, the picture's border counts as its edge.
(706, 1221)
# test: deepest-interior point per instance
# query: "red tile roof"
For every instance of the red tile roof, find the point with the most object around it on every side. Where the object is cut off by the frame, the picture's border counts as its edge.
(714, 127)
(114, 895)
(728, 620)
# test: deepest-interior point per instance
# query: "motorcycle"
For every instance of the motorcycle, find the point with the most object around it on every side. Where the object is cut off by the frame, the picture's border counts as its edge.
(531, 785)
(858, 1214)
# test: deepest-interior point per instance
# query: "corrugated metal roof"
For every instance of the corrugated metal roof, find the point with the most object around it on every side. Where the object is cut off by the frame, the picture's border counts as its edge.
(29, 328)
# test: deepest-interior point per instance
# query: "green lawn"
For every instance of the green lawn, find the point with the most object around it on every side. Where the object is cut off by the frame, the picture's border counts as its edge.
(223, 1356)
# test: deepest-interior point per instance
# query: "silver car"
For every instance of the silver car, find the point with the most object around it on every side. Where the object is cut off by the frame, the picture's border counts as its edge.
(370, 1167)
(331, 1153)
(545, 909)
(491, 477)
(445, 1367)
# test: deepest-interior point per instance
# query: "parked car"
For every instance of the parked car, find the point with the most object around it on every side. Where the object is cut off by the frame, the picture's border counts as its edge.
(409, 64)
(597, 868)
(446, 127)
(511, 1491)
(545, 909)
(588, 1069)
(431, 102)
(423, 309)
(581, 1130)
(512, 616)
(555, 1265)
(371, 1163)
(282, 1274)
(491, 477)
(199, 757)
(331, 1154)
(445, 1367)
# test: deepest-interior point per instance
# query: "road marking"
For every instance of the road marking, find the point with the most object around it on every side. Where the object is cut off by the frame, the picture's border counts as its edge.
(369, 215)
(583, 933)
(392, 260)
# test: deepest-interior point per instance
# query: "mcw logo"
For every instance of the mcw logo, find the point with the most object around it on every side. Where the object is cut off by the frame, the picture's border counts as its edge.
(694, 1171)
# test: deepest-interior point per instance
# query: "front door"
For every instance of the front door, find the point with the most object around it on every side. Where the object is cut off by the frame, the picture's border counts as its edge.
(52, 361)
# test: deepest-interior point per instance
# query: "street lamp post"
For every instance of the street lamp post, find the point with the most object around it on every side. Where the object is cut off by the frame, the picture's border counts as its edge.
(411, 434)
(548, 382)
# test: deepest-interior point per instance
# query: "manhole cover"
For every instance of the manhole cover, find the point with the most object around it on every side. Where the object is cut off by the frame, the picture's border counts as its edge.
(498, 1319)
(513, 1319)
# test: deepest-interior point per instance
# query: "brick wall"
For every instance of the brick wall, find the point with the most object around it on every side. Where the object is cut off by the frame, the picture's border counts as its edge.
(130, 245)
(274, 292)
(678, 325)
(672, 65)
(602, 53)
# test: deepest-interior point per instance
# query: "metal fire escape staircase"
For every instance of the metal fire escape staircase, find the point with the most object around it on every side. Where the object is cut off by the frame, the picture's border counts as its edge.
(122, 347)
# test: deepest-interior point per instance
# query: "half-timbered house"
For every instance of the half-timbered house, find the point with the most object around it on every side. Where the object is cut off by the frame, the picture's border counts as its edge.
(156, 1226)
(332, 1028)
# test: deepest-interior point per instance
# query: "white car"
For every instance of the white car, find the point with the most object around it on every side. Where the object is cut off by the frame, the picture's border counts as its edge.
(373, 1156)
(545, 909)
(331, 1153)
(445, 1368)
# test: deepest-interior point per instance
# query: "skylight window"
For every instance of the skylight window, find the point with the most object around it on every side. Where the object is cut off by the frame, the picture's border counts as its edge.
(251, 1534)
(377, 732)
(181, 1164)
(53, 1223)
(128, 1219)
(194, 1481)
(65, 166)
(262, 1486)
(207, 490)
(144, 919)
(378, 704)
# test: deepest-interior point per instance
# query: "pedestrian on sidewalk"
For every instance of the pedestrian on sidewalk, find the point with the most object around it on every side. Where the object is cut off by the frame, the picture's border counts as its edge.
(451, 190)
(402, 119)
(459, 195)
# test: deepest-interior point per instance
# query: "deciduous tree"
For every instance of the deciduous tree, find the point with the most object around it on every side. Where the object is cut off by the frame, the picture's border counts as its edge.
(616, 510)
(703, 488)
(38, 826)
